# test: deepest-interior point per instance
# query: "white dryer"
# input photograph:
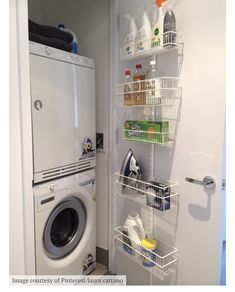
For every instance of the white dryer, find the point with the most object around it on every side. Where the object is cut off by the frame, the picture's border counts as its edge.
(65, 225)
(63, 112)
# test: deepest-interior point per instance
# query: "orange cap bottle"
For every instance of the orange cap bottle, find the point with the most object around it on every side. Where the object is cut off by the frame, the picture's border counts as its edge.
(159, 2)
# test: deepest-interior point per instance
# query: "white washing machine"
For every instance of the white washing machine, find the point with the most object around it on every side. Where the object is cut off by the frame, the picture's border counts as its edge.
(65, 225)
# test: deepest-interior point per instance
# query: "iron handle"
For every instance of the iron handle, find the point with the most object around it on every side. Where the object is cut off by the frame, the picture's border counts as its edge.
(208, 182)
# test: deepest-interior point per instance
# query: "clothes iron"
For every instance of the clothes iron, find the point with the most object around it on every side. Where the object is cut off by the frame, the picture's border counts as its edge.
(130, 171)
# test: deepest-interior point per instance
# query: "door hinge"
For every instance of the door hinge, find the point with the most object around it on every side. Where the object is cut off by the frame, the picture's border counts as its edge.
(224, 184)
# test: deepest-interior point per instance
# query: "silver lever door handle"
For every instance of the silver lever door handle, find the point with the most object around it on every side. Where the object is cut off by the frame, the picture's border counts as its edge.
(208, 182)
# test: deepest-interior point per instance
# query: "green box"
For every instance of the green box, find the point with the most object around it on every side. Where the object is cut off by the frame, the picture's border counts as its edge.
(133, 130)
(153, 132)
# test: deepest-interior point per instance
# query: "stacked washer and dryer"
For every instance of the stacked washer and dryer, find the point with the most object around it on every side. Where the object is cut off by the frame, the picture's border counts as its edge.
(63, 122)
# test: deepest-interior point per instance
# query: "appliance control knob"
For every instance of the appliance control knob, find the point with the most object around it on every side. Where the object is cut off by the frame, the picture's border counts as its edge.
(75, 58)
(51, 187)
(47, 51)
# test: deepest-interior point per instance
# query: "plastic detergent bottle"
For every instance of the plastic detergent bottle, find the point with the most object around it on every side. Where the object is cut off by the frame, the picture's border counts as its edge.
(127, 88)
(129, 41)
(133, 227)
(169, 26)
(148, 250)
(139, 97)
(140, 225)
(144, 34)
(75, 40)
(157, 40)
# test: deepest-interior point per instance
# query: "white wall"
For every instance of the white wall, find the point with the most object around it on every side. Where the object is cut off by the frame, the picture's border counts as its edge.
(17, 263)
(90, 21)
(35, 10)
(22, 253)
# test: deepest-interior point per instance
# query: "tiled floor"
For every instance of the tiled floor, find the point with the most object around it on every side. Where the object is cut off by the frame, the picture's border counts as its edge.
(100, 270)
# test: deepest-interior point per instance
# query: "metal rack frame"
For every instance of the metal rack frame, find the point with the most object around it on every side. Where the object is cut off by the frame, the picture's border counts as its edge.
(165, 102)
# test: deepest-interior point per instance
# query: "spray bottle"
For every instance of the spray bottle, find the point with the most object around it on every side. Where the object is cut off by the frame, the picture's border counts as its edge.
(169, 26)
(129, 41)
(157, 40)
(144, 34)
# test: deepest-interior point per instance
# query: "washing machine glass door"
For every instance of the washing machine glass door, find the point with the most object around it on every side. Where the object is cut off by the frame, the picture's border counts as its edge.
(65, 227)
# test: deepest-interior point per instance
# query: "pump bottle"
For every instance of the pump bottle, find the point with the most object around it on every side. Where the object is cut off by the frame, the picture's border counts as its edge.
(129, 41)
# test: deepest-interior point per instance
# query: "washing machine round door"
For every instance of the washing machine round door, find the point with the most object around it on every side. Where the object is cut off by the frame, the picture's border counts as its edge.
(65, 227)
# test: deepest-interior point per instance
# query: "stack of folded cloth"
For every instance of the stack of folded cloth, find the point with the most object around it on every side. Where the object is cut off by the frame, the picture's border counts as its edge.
(50, 36)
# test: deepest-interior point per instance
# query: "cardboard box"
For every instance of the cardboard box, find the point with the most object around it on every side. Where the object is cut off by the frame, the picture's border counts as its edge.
(156, 132)
(159, 196)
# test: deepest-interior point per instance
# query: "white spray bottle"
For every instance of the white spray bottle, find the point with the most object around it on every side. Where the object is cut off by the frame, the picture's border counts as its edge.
(157, 40)
(144, 34)
(129, 41)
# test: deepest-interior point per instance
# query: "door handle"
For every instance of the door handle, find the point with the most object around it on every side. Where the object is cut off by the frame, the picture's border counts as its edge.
(38, 104)
(208, 182)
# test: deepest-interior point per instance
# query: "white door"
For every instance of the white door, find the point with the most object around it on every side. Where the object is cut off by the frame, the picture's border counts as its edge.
(200, 142)
(63, 108)
(199, 148)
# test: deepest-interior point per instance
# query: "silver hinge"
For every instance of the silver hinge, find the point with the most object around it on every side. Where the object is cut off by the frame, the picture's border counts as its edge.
(224, 184)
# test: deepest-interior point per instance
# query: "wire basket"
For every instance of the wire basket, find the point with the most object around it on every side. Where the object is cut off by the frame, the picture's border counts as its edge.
(155, 45)
(161, 262)
(150, 92)
(153, 132)
(151, 191)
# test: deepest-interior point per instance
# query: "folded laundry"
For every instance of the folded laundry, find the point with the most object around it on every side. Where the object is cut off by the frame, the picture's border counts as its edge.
(50, 32)
(52, 42)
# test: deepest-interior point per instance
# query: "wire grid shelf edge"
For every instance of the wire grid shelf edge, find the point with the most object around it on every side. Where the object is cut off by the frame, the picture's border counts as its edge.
(163, 265)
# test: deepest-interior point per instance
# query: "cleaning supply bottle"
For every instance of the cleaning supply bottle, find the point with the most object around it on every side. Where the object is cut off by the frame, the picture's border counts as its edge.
(134, 229)
(157, 39)
(140, 225)
(127, 88)
(144, 34)
(129, 41)
(169, 27)
(75, 40)
(149, 252)
(139, 97)
(153, 84)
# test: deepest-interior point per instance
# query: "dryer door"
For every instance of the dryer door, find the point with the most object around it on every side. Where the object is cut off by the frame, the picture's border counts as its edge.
(65, 227)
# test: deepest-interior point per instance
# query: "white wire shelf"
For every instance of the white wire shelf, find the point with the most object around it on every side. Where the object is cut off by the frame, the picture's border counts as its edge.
(149, 191)
(161, 262)
(137, 134)
(150, 92)
(156, 45)
(170, 83)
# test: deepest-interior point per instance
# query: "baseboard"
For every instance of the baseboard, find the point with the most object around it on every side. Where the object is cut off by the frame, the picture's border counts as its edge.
(102, 256)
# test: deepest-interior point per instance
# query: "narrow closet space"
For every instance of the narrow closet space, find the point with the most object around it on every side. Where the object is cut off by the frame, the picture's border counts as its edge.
(88, 26)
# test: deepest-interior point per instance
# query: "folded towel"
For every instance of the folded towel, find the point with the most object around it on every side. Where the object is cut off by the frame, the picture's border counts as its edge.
(50, 32)
(51, 42)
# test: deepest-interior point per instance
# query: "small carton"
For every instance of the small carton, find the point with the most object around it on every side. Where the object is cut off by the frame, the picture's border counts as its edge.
(156, 132)
(158, 197)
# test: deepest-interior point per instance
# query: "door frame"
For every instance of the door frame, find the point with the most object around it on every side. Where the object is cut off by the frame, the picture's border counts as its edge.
(26, 170)
(113, 131)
